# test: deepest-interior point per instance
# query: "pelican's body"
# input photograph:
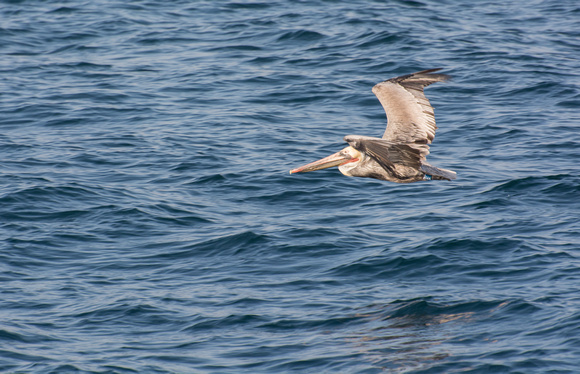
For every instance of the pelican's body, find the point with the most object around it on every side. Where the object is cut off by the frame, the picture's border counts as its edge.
(399, 156)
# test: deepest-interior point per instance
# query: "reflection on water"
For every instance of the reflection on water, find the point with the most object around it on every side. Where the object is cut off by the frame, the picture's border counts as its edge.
(415, 334)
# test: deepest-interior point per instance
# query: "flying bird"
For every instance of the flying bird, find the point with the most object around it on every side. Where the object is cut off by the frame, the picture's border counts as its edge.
(400, 155)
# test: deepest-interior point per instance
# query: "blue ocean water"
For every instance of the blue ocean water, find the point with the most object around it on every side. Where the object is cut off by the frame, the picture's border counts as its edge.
(149, 223)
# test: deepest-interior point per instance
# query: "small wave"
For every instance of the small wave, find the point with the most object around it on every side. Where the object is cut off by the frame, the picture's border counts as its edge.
(427, 311)
(225, 245)
(105, 315)
(300, 36)
(384, 267)
(381, 38)
(247, 48)
(211, 323)
(11, 337)
(54, 196)
(324, 322)
(461, 246)
(526, 183)
(551, 189)
(250, 6)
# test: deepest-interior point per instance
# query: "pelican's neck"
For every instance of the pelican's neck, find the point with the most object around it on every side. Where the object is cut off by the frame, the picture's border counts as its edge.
(347, 167)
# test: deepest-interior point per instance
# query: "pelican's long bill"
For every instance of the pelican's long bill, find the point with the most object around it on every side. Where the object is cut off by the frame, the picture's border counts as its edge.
(339, 158)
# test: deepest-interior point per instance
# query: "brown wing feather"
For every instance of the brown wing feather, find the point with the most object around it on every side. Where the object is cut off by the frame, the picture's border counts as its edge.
(388, 153)
(409, 113)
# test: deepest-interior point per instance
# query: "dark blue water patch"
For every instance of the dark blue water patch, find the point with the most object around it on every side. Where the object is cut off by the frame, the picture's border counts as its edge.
(247, 320)
(177, 216)
(48, 195)
(300, 36)
(551, 188)
(13, 360)
(468, 246)
(248, 48)
(373, 39)
(123, 313)
(563, 188)
(428, 312)
(250, 6)
(568, 329)
(10, 337)
(390, 267)
(229, 245)
(324, 323)
(571, 103)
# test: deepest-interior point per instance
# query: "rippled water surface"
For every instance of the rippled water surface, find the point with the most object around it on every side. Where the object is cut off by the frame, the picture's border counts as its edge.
(149, 223)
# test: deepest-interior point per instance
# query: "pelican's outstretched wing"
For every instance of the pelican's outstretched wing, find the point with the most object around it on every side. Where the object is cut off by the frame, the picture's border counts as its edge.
(409, 113)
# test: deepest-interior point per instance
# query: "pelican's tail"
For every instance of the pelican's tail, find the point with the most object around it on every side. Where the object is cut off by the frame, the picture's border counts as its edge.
(435, 173)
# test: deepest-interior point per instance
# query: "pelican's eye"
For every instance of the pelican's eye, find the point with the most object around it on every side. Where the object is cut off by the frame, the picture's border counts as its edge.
(346, 154)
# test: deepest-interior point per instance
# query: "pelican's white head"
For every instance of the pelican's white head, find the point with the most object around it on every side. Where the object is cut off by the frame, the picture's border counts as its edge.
(354, 159)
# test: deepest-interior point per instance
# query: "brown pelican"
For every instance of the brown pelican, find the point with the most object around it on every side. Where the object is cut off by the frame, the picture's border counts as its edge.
(399, 156)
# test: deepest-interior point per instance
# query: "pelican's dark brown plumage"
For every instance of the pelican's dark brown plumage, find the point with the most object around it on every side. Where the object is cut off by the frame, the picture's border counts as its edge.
(400, 155)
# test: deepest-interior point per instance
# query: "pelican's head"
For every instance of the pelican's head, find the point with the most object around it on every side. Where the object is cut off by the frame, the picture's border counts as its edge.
(346, 159)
